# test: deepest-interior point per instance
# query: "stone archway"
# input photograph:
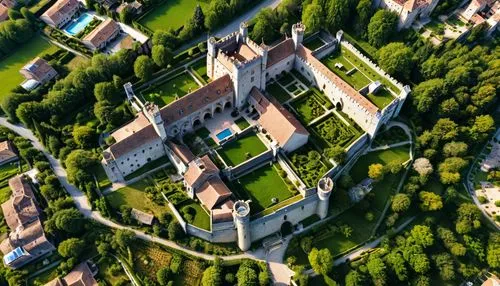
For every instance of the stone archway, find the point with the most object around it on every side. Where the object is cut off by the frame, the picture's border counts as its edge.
(286, 228)
(207, 116)
(227, 105)
(196, 123)
(339, 105)
(218, 109)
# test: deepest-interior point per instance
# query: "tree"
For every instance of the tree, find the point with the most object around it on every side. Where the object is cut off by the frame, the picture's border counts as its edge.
(396, 59)
(421, 235)
(483, 125)
(165, 38)
(381, 27)
(212, 276)
(263, 30)
(444, 263)
(66, 220)
(354, 278)
(376, 171)
(313, 17)
(217, 12)
(143, 68)
(400, 203)
(162, 276)
(321, 260)
(105, 91)
(246, 276)
(450, 168)
(174, 230)
(430, 201)
(161, 55)
(427, 93)
(71, 247)
(484, 96)
(14, 14)
(423, 167)
(28, 15)
(263, 277)
(469, 218)
(126, 15)
(84, 136)
(365, 11)
(336, 14)
(79, 163)
(397, 263)
(377, 269)
(493, 250)
(124, 237)
(455, 149)
(337, 153)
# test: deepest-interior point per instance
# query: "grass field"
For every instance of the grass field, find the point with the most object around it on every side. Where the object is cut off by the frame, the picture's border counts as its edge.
(201, 219)
(10, 66)
(356, 79)
(200, 67)
(134, 196)
(382, 98)
(76, 62)
(242, 149)
(360, 169)
(174, 88)
(171, 14)
(101, 177)
(261, 186)
(278, 92)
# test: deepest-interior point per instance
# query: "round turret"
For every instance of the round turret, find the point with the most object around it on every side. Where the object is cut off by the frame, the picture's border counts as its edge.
(325, 187)
(241, 213)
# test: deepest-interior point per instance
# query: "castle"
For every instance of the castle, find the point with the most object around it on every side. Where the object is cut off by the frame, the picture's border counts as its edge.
(240, 70)
(408, 10)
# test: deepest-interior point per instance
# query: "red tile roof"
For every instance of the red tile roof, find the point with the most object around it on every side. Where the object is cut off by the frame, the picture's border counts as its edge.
(59, 10)
(102, 33)
(279, 52)
(135, 140)
(213, 192)
(200, 170)
(362, 101)
(21, 208)
(182, 152)
(197, 100)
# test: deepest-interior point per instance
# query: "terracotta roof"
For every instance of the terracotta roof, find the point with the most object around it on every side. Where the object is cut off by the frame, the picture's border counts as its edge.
(31, 238)
(102, 33)
(197, 100)
(280, 52)
(133, 141)
(7, 151)
(224, 213)
(199, 170)
(142, 217)
(55, 282)
(213, 192)
(59, 10)
(8, 3)
(182, 152)
(362, 101)
(492, 281)
(138, 123)
(275, 119)
(4, 13)
(21, 208)
(38, 67)
(80, 276)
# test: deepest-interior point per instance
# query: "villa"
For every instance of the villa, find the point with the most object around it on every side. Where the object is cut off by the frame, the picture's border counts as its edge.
(27, 240)
(102, 35)
(7, 153)
(5, 5)
(480, 11)
(240, 70)
(37, 72)
(408, 10)
(81, 275)
(60, 13)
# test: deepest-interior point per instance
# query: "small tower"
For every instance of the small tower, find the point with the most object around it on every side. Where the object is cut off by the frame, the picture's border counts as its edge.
(402, 97)
(339, 36)
(241, 213)
(153, 113)
(325, 187)
(211, 55)
(298, 34)
(242, 36)
(129, 91)
(263, 54)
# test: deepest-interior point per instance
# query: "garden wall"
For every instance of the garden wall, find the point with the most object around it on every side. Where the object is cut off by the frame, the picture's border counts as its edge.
(361, 142)
(177, 215)
(226, 232)
(293, 213)
(251, 164)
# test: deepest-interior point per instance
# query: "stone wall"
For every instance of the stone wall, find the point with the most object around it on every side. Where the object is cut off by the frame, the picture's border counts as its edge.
(252, 164)
(139, 157)
(284, 65)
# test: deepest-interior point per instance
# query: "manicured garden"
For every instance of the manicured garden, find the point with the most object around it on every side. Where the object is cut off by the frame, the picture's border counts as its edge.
(355, 78)
(261, 186)
(332, 131)
(198, 216)
(309, 164)
(10, 65)
(278, 92)
(171, 14)
(381, 99)
(172, 89)
(241, 149)
(308, 108)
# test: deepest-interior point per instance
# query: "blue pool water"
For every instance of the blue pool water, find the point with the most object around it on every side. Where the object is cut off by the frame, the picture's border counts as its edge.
(224, 134)
(77, 25)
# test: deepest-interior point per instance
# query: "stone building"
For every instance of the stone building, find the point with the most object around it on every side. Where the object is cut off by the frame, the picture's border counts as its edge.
(408, 10)
(102, 35)
(5, 5)
(7, 153)
(81, 275)
(60, 13)
(37, 72)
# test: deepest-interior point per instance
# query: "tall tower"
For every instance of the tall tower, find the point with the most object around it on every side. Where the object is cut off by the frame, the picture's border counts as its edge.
(241, 212)
(242, 36)
(298, 34)
(153, 113)
(211, 55)
(325, 187)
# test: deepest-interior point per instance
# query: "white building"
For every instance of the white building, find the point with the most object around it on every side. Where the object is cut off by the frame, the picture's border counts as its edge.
(408, 10)
(60, 13)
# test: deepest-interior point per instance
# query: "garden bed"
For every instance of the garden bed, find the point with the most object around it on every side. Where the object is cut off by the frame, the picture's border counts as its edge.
(308, 108)
(174, 88)
(242, 123)
(309, 164)
(332, 131)
(278, 92)
(242, 149)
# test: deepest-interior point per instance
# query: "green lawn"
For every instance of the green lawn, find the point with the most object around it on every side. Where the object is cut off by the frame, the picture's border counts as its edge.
(134, 196)
(43, 277)
(104, 264)
(174, 88)
(202, 218)
(171, 14)
(308, 108)
(241, 149)
(356, 79)
(102, 178)
(200, 68)
(242, 123)
(360, 169)
(261, 186)
(148, 167)
(278, 92)
(314, 43)
(381, 99)
(10, 66)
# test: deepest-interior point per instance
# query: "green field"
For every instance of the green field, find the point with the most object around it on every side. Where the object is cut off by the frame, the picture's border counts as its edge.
(173, 89)
(200, 68)
(360, 169)
(148, 167)
(202, 218)
(171, 14)
(356, 79)
(10, 66)
(261, 186)
(134, 196)
(242, 149)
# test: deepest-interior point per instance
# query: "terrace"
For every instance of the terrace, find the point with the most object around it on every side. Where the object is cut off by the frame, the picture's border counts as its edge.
(172, 89)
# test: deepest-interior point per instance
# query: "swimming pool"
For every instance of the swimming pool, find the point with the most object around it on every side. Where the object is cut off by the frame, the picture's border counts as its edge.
(224, 134)
(77, 25)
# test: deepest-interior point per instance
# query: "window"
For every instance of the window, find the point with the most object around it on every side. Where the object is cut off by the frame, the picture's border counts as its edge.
(252, 79)
(288, 63)
(128, 159)
(253, 72)
(135, 155)
(150, 148)
(284, 218)
(143, 151)
(302, 207)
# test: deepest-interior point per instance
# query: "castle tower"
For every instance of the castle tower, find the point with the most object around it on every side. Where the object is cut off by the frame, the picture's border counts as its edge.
(242, 36)
(339, 36)
(241, 213)
(264, 51)
(298, 34)
(402, 97)
(211, 55)
(153, 114)
(325, 187)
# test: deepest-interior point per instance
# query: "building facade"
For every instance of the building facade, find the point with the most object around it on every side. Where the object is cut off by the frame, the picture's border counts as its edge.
(61, 13)
(408, 10)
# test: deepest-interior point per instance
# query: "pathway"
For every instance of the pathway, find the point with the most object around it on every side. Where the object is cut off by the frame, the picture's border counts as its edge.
(385, 147)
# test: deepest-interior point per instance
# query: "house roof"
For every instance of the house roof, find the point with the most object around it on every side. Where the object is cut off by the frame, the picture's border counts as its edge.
(182, 152)
(224, 212)
(197, 100)
(102, 33)
(279, 52)
(275, 119)
(60, 9)
(213, 192)
(80, 276)
(21, 208)
(6, 151)
(31, 238)
(8, 3)
(38, 67)
(362, 101)
(4, 13)
(142, 217)
(199, 170)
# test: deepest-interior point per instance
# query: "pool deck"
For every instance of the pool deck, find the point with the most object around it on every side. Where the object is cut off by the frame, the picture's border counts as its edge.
(74, 22)
(220, 122)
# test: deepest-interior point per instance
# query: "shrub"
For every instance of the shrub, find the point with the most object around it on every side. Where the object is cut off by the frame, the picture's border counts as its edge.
(369, 216)
(175, 263)
(230, 278)
(482, 199)
(306, 244)
(497, 203)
